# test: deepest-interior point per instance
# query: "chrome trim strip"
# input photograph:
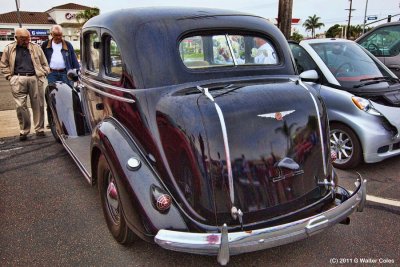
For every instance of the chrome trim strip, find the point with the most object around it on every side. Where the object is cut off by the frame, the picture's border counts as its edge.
(226, 143)
(248, 241)
(77, 161)
(106, 85)
(319, 126)
(109, 87)
(231, 49)
(227, 152)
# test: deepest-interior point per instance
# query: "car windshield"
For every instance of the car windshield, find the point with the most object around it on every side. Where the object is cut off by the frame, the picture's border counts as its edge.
(351, 65)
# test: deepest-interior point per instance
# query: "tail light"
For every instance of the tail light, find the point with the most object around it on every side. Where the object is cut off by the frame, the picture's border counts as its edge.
(333, 155)
(161, 200)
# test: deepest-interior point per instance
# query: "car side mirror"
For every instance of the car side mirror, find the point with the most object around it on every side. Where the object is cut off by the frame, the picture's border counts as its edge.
(309, 76)
(73, 75)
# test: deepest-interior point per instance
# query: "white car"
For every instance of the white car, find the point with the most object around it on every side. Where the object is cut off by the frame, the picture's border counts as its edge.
(362, 96)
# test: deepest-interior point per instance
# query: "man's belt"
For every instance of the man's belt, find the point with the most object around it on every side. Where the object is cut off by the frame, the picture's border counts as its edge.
(57, 70)
(25, 74)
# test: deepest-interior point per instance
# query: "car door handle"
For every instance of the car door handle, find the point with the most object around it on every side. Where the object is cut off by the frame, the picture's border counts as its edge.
(99, 106)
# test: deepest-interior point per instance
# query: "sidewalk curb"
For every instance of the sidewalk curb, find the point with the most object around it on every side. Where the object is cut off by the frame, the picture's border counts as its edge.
(10, 125)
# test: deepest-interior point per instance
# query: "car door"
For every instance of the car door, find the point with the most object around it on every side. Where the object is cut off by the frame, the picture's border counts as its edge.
(91, 70)
(384, 43)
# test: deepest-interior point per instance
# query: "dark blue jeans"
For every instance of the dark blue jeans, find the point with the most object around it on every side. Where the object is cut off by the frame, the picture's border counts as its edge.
(59, 76)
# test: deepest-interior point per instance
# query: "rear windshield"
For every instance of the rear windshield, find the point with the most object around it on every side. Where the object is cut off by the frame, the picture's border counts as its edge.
(224, 50)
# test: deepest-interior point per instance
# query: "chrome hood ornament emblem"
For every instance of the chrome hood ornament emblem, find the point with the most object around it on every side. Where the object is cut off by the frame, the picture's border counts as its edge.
(276, 115)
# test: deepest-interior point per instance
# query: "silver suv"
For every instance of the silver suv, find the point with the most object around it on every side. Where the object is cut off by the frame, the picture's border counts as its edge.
(383, 42)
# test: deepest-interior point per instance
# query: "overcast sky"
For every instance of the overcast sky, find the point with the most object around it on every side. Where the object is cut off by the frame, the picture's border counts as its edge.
(330, 11)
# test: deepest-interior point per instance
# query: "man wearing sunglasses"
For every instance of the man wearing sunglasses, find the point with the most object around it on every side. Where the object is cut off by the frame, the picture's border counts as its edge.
(24, 64)
(61, 56)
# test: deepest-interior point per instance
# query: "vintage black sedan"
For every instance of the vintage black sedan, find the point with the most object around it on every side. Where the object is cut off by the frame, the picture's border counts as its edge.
(198, 133)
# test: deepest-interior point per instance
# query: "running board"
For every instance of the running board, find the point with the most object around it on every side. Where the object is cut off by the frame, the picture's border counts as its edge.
(79, 149)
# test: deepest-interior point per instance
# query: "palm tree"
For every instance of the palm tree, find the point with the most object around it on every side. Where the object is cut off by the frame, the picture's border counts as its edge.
(356, 31)
(312, 23)
(87, 14)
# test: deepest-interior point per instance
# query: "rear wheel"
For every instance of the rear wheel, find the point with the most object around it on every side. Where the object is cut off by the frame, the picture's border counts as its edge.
(345, 143)
(111, 203)
(52, 125)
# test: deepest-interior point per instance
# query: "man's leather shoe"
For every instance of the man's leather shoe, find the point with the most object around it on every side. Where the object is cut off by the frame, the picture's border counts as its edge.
(40, 134)
(22, 137)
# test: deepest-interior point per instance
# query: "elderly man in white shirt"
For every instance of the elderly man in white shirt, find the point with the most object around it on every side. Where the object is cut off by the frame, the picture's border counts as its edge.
(265, 53)
(61, 56)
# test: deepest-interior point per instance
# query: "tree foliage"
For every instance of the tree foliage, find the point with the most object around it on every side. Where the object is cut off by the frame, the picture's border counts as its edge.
(87, 14)
(312, 23)
(356, 31)
(296, 37)
(336, 31)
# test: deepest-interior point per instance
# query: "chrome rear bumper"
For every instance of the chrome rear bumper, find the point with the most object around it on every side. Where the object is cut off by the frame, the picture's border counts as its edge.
(224, 244)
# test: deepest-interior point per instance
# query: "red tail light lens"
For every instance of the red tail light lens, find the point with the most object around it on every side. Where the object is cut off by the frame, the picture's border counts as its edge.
(161, 200)
(333, 155)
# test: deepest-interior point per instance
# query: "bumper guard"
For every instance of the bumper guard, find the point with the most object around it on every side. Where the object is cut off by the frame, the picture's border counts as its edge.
(225, 244)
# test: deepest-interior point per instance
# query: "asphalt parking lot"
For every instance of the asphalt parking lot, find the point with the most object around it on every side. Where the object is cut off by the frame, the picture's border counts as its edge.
(50, 216)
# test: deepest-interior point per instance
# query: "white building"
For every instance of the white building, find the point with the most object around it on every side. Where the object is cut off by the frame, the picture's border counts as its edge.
(39, 24)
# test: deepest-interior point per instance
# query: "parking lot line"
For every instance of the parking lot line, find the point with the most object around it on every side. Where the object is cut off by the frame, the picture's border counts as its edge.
(11, 149)
(381, 200)
(385, 201)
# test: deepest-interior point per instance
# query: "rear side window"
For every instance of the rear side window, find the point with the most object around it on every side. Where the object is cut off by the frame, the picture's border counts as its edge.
(205, 51)
(383, 41)
(113, 59)
(92, 53)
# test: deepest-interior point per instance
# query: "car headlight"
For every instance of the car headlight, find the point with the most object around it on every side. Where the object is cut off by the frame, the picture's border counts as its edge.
(365, 105)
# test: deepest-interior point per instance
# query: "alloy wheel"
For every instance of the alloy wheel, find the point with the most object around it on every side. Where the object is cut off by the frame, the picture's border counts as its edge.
(342, 144)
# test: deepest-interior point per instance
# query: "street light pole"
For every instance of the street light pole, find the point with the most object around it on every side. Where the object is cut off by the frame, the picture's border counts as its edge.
(365, 15)
(18, 14)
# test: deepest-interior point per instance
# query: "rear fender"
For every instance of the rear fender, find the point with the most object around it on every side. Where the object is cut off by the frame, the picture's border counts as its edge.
(65, 105)
(134, 186)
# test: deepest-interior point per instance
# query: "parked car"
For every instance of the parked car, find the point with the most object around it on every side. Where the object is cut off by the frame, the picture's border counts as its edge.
(383, 41)
(192, 143)
(362, 97)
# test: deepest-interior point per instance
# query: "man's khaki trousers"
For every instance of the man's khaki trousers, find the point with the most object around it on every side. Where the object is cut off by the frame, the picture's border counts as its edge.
(21, 87)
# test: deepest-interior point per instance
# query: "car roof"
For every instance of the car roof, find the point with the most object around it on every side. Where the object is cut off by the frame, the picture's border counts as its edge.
(135, 16)
(149, 38)
(377, 27)
(387, 24)
(326, 40)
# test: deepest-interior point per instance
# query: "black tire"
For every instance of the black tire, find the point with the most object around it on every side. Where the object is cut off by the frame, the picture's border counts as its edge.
(111, 205)
(345, 143)
(52, 125)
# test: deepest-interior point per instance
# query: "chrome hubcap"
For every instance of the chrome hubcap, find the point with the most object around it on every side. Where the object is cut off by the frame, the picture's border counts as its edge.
(342, 144)
(112, 199)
